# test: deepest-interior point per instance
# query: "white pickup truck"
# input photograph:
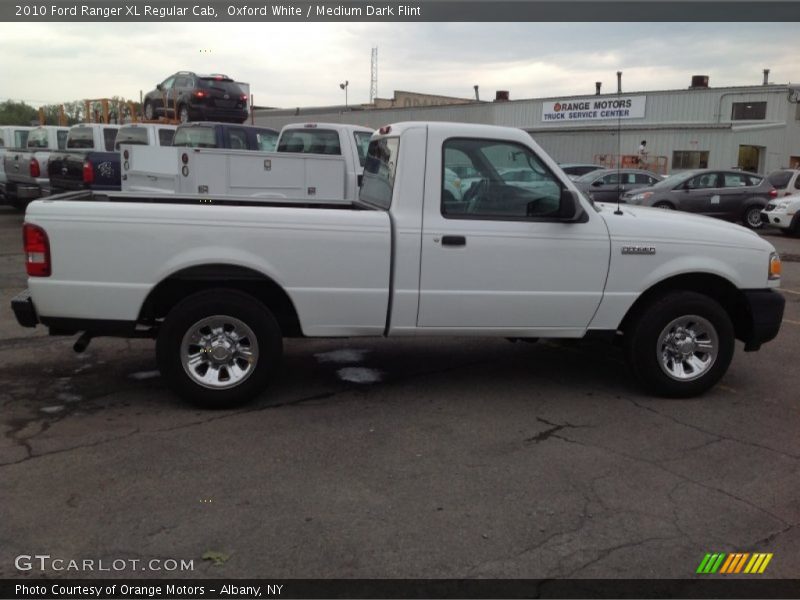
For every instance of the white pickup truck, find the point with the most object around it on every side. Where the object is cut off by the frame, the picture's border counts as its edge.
(26, 168)
(313, 161)
(220, 284)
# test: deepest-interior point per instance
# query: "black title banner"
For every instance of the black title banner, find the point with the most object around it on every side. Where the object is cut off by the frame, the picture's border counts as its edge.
(239, 589)
(404, 11)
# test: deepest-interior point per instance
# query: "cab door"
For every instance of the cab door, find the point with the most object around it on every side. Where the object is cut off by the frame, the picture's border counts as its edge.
(498, 259)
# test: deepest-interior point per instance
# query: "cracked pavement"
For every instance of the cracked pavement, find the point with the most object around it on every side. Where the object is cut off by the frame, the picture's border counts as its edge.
(470, 458)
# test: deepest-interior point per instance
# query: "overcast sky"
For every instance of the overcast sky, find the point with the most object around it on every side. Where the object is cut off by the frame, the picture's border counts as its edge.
(302, 64)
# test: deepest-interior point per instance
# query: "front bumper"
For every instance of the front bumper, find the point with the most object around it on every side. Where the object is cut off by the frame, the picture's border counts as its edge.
(766, 313)
(777, 218)
(24, 310)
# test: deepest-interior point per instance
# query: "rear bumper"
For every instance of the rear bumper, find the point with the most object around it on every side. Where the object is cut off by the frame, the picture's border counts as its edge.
(212, 113)
(766, 313)
(24, 310)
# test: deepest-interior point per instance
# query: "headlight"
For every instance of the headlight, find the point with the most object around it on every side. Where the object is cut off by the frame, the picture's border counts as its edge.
(782, 205)
(774, 266)
(641, 196)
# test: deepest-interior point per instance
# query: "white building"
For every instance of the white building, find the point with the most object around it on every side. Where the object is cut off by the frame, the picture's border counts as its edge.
(753, 127)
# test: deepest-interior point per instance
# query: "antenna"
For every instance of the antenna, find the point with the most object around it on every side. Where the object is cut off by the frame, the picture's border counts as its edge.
(373, 87)
(619, 141)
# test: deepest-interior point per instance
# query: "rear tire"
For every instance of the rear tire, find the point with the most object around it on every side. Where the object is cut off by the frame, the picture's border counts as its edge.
(183, 114)
(680, 345)
(752, 217)
(219, 348)
(149, 113)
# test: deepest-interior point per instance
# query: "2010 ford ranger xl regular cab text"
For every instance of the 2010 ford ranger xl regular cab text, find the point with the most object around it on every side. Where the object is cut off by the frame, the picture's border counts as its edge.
(219, 284)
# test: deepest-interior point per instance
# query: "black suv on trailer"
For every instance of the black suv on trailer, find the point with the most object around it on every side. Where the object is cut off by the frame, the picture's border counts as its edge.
(193, 97)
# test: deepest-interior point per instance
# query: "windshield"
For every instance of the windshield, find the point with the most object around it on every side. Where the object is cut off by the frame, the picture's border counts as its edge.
(80, 137)
(379, 171)
(131, 135)
(673, 180)
(195, 136)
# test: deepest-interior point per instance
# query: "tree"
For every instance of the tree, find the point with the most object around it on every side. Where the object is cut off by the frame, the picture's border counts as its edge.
(17, 113)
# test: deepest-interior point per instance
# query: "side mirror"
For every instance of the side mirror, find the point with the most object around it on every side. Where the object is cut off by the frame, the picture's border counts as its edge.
(597, 183)
(159, 87)
(569, 208)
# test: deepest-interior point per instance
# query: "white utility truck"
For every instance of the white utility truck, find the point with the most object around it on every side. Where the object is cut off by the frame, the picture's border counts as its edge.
(219, 282)
(313, 161)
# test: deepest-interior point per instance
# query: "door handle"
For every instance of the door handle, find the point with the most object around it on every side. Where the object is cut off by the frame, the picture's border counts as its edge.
(454, 240)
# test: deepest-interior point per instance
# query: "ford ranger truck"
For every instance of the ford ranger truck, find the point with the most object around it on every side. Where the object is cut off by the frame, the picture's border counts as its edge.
(26, 168)
(220, 284)
(100, 169)
(69, 169)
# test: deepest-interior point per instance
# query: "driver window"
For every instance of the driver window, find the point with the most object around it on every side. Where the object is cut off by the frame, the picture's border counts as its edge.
(496, 180)
(704, 181)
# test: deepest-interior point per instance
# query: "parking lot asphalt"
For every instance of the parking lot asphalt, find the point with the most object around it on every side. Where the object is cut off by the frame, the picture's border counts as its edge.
(440, 458)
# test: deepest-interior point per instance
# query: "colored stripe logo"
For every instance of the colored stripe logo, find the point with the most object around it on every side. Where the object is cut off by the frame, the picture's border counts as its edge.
(733, 563)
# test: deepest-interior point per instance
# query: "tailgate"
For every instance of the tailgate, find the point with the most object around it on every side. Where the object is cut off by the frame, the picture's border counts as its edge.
(65, 170)
(17, 166)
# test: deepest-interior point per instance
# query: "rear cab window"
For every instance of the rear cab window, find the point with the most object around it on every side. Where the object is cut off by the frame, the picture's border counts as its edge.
(109, 136)
(380, 168)
(165, 137)
(310, 141)
(195, 136)
(267, 140)
(38, 139)
(80, 138)
(61, 137)
(131, 135)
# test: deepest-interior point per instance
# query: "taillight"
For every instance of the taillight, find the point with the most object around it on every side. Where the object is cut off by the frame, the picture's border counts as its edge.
(88, 172)
(35, 170)
(37, 250)
(385, 130)
(244, 97)
(200, 94)
(773, 193)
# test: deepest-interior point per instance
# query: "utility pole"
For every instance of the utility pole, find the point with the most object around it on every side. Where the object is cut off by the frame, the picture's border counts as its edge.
(373, 87)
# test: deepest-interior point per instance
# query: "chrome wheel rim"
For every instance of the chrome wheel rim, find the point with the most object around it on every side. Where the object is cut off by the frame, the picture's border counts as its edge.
(148, 111)
(184, 115)
(219, 352)
(687, 348)
(753, 218)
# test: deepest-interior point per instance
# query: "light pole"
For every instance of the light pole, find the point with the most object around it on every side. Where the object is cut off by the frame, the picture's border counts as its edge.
(344, 87)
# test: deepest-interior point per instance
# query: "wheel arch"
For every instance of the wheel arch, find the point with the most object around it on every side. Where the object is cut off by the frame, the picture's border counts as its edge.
(185, 282)
(714, 286)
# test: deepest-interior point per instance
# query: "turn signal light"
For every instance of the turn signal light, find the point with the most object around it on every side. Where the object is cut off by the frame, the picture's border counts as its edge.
(774, 266)
(37, 250)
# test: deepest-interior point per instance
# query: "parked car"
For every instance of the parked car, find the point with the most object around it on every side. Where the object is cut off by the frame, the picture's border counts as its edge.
(786, 181)
(11, 136)
(193, 97)
(100, 169)
(575, 170)
(608, 185)
(731, 195)
(26, 168)
(783, 214)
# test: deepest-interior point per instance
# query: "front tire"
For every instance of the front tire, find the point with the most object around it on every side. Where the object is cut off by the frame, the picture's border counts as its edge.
(149, 113)
(680, 345)
(664, 205)
(183, 114)
(752, 217)
(219, 348)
